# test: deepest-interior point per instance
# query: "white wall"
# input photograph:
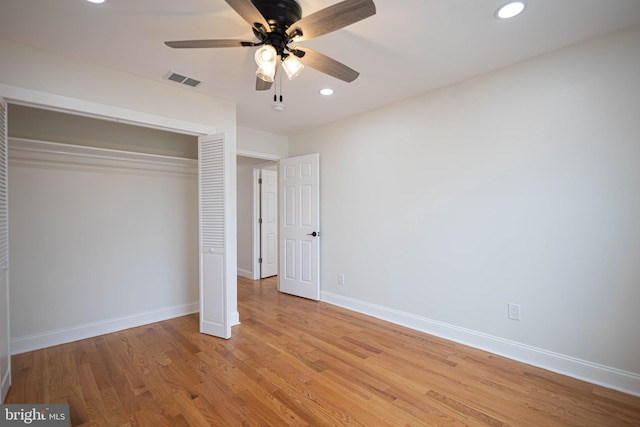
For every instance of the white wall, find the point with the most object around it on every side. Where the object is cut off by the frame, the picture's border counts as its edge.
(518, 186)
(262, 144)
(97, 243)
(39, 124)
(39, 70)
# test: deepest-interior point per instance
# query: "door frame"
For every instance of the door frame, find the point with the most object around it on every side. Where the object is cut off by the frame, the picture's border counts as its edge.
(59, 103)
(257, 238)
(255, 214)
(5, 297)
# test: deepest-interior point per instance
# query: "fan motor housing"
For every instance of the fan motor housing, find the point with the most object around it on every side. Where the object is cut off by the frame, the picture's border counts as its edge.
(279, 13)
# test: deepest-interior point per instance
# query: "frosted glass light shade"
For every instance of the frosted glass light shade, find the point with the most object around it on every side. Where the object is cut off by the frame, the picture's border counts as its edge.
(292, 66)
(266, 72)
(266, 55)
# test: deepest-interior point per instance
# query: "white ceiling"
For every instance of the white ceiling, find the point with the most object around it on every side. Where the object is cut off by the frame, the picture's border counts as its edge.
(408, 47)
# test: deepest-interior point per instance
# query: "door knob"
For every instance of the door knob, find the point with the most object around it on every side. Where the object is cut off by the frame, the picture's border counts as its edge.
(314, 234)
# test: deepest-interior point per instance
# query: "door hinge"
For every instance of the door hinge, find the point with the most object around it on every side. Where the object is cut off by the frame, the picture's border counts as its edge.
(259, 220)
(259, 260)
(259, 180)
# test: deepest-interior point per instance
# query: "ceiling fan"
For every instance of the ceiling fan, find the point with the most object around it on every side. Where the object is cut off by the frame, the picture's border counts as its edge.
(278, 23)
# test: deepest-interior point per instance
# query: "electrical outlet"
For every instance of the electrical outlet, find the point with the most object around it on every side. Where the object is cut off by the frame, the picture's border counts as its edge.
(513, 311)
(340, 279)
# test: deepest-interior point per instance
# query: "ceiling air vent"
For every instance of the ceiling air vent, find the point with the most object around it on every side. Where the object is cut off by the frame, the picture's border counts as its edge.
(179, 78)
(191, 82)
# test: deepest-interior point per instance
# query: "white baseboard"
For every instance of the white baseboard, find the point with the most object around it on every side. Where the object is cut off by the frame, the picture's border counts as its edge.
(235, 318)
(248, 274)
(617, 379)
(88, 330)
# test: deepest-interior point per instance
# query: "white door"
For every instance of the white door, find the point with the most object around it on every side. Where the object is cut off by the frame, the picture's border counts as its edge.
(216, 190)
(299, 179)
(5, 354)
(268, 223)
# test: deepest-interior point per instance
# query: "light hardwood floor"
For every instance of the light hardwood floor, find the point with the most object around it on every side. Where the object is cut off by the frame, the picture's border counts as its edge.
(299, 362)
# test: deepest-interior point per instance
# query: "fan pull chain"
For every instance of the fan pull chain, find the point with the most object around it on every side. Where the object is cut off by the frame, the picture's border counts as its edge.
(277, 106)
(280, 77)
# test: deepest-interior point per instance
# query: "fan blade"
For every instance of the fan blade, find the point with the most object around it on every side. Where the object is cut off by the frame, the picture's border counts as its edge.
(332, 18)
(262, 85)
(328, 65)
(247, 10)
(196, 44)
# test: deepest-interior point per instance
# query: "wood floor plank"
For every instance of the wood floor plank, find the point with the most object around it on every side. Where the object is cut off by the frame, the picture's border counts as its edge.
(92, 397)
(104, 348)
(149, 418)
(113, 407)
(294, 362)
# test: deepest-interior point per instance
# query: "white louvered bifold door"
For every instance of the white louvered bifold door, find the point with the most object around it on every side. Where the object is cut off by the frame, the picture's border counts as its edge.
(5, 356)
(214, 305)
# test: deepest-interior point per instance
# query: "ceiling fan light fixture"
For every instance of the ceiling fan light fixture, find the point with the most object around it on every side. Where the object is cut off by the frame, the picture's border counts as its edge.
(277, 23)
(266, 72)
(266, 55)
(292, 66)
(510, 10)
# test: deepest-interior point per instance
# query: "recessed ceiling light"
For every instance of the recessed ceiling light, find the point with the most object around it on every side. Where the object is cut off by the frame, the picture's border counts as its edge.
(96, 1)
(326, 91)
(510, 10)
